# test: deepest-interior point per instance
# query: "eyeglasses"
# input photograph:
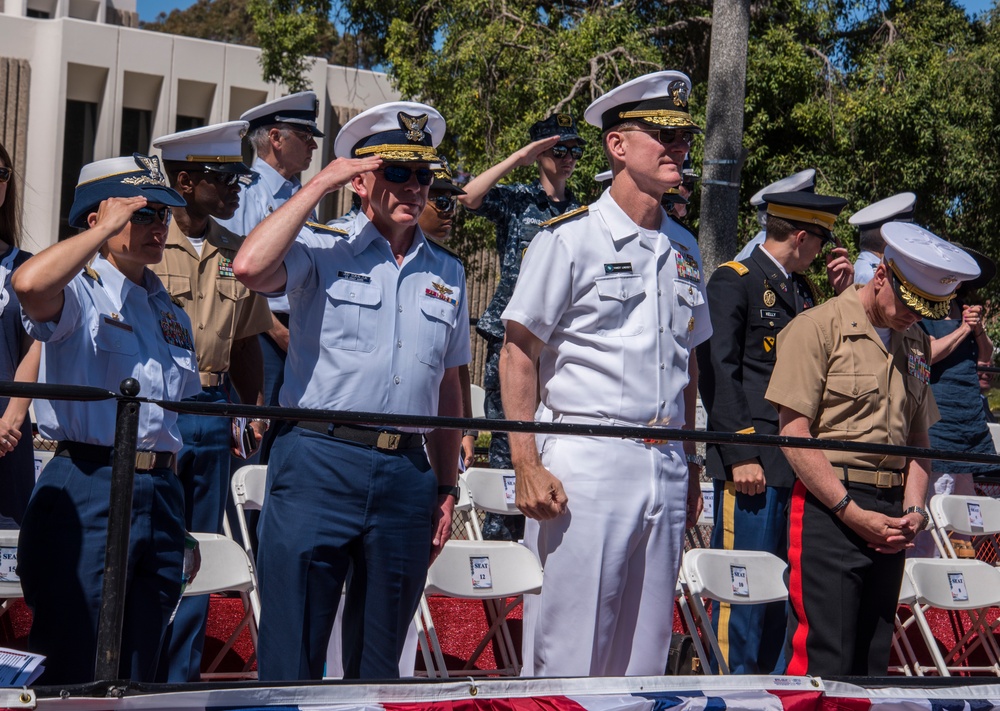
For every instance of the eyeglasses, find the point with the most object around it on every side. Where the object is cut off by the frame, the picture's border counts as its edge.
(304, 136)
(819, 235)
(666, 136)
(444, 203)
(399, 174)
(227, 179)
(5, 174)
(146, 215)
(560, 151)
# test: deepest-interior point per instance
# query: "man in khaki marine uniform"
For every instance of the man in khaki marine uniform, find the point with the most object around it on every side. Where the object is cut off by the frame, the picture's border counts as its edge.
(855, 369)
(204, 165)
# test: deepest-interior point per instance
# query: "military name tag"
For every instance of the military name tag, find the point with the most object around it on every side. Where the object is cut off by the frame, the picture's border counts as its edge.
(351, 276)
(741, 586)
(117, 324)
(618, 267)
(482, 578)
(765, 313)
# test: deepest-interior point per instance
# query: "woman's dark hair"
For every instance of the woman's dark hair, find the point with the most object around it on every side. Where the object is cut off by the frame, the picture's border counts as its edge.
(10, 210)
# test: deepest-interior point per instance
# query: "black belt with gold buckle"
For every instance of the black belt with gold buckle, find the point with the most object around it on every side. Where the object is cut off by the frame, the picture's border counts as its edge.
(99, 454)
(379, 439)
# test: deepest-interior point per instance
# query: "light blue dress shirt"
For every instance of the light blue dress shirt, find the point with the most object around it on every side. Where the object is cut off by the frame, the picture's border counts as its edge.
(111, 329)
(370, 334)
(865, 266)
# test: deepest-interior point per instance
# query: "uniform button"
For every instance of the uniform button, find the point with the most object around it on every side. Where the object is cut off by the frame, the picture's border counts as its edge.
(352, 294)
(396, 380)
(200, 295)
(663, 366)
(624, 293)
(770, 323)
(659, 292)
(399, 344)
(690, 289)
(663, 404)
(600, 333)
(400, 308)
(201, 326)
(661, 329)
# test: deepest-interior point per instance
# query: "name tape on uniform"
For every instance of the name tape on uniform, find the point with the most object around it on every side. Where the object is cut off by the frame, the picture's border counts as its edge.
(482, 578)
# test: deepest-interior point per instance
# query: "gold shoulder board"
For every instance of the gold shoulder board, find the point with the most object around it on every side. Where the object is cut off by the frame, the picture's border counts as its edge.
(565, 216)
(329, 229)
(736, 267)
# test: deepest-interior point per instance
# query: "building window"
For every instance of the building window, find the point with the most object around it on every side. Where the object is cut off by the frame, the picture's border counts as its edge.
(37, 14)
(186, 123)
(78, 150)
(137, 126)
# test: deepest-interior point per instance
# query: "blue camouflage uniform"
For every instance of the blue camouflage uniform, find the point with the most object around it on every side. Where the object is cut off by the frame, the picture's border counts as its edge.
(517, 211)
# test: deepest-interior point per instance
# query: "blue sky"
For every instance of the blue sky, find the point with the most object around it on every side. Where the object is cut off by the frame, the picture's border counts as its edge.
(149, 9)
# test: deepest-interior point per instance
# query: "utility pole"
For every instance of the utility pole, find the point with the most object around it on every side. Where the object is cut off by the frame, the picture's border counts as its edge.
(720, 191)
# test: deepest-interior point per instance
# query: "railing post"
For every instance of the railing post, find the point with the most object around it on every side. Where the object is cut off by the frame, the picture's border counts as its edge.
(109, 631)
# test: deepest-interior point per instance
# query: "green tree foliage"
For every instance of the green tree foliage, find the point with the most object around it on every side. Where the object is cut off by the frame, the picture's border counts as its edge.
(289, 32)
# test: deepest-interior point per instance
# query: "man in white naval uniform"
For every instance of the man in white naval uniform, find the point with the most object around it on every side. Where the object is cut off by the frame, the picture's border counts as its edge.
(607, 309)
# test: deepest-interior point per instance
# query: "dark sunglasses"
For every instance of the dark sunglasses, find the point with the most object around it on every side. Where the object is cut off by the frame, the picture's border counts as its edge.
(146, 215)
(560, 151)
(5, 174)
(399, 174)
(227, 179)
(444, 203)
(666, 136)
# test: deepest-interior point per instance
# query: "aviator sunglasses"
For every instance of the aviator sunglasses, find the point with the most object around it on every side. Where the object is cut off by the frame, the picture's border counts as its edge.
(146, 215)
(560, 151)
(443, 203)
(399, 174)
(5, 174)
(227, 179)
(666, 136)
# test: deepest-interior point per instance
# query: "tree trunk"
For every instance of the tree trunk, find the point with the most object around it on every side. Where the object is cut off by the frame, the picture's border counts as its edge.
(720, 191)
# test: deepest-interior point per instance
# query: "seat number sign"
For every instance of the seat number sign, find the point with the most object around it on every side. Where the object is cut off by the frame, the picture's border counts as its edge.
(741, 587)
(482, 579)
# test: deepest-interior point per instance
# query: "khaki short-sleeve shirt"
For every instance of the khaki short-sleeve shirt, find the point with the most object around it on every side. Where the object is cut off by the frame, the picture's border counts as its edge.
(221, 308)
(833, 368)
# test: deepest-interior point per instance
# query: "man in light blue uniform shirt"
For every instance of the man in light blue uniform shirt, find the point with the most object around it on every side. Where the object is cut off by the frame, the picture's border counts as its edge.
(102, 319)
(283, 134)
(869, 221)
(803, 181)
(380, 322)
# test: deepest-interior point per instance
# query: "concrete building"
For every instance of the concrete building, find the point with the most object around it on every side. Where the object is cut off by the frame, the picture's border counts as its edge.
(80, 82)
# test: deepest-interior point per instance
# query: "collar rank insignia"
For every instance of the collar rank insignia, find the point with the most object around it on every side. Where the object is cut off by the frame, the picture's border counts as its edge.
(91, 273)
(414, 126)
(916, 365)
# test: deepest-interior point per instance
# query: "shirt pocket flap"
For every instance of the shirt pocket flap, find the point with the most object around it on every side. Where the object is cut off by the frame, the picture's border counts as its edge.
(688, 293)
(178, 284)
(851, 385)
(355, 292)
(620, 287)
(231, 289)
(438, 310)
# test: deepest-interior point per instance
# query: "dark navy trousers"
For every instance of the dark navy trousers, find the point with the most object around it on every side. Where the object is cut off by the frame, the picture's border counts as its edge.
(61, 566)
(334, 508)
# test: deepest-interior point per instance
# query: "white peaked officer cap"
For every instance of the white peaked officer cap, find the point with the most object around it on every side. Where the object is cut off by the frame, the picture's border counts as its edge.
(803, 181)
(925, 270)
(218, 147)
(898, 208)
(659, 100)
(398, 132)
(136, 175)
(298, 109)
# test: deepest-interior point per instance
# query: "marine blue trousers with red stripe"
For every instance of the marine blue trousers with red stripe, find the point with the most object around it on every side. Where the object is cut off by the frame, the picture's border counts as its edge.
(842, 594)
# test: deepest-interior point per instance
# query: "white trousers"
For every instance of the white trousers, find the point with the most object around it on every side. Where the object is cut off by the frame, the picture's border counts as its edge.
(611, 561)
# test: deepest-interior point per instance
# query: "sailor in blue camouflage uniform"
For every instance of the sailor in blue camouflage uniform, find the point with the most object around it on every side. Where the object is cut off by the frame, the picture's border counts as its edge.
(519, 211)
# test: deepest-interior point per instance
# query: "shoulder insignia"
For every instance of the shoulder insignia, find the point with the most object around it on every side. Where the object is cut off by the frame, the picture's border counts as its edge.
(326, 229)
(817, 295)
(737, 267)
(442, 246)
(91, 273)
(176, 301)
(565, 216)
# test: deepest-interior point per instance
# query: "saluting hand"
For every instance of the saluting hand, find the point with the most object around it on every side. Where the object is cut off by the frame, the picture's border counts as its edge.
(539, 494)
(341, 171)
(839, 269)
(529, 154)
(114, 213)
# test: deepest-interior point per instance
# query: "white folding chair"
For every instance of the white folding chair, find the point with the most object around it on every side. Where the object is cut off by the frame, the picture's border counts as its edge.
(478, 401)
(42, 457)
(225, 567)
(995, 433)
(908, 662)
(736, 577)
(490, 490)
(248, 484)
(968, 515)
(969, 586)
(483, 570)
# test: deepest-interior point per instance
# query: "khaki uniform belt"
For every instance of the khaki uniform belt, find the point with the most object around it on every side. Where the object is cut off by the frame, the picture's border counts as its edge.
(880, 478)
(212, 380)
(144, 460)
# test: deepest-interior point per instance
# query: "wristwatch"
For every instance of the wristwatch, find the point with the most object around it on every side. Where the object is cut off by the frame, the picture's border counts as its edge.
(696, 459)
(923, 513)
(446, 490)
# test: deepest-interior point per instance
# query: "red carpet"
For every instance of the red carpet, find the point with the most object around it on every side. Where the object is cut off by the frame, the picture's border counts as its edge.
(460, 625)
